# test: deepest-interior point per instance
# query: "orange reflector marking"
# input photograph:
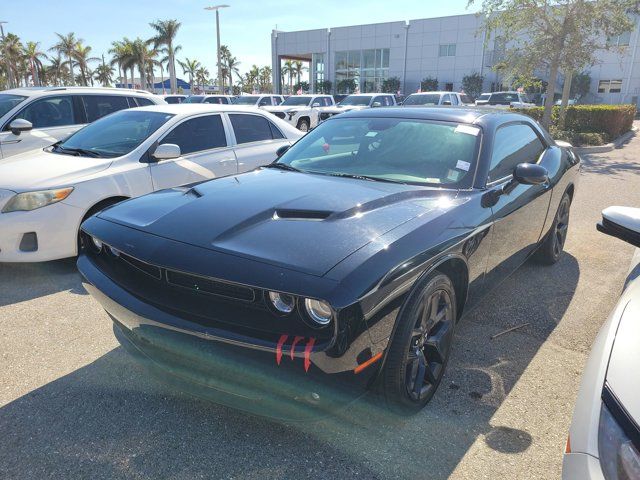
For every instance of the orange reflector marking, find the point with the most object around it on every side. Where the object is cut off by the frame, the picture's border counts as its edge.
(373, 359)
(567, 449)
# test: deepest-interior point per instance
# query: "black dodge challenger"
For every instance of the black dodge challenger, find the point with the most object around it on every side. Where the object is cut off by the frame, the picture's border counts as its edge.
(342, 267)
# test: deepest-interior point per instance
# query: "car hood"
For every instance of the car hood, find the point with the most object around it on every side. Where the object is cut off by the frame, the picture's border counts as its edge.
(303, 222)
(625, 358)
(285, 108)
(340, 109)
(41, 169)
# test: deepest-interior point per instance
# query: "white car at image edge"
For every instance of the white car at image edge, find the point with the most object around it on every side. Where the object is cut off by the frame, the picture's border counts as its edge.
(40, 116)
(45, 194)
(604, 438)
(301, 111)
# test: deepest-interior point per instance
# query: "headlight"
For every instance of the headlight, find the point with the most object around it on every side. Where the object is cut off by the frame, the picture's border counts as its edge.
(282, 302)
(318, 310)
(619, 458)
(96, 243)
(33, 200)
(292, 113)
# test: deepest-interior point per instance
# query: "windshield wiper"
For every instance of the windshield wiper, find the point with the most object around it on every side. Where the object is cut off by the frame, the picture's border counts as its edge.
(281, 166)
(362, 177)
(78, 151)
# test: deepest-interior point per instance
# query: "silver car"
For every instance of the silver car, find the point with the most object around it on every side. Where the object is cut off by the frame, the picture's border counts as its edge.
(604, 439)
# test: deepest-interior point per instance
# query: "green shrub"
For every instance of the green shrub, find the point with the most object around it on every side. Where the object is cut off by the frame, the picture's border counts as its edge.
(588, 124)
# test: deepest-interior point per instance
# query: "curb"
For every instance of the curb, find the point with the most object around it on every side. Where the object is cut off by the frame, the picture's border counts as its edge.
(617, 143)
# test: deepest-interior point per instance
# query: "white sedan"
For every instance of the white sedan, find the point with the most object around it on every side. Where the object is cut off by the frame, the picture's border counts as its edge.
(604, 439)
(45, 194)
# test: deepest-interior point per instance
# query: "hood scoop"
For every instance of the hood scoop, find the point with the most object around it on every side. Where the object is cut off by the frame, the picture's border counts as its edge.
(294, 214)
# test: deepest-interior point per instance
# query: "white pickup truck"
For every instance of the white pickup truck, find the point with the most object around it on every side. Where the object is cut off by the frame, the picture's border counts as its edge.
(301, 111)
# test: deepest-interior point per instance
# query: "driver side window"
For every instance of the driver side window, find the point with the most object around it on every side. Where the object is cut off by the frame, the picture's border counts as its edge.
(49, 112)
(513, 144)
(198, 134)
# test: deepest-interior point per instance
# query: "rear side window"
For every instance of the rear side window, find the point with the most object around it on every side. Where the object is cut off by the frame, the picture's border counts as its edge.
(173, 99)
(143, 102)
(277, 100)
(264, 101)
(513, 144)
(97, 106)
(54, 111)
(253, 128)
(198, 134)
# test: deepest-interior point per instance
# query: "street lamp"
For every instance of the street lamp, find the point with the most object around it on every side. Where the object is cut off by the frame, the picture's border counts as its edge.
(217, 8)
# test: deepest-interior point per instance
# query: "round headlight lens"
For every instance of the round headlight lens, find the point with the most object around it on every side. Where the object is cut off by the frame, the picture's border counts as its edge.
(318, 310)
(97, 243)
(282, 302)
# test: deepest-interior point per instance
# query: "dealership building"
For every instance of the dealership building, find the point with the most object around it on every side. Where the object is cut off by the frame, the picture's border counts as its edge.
(446, 48)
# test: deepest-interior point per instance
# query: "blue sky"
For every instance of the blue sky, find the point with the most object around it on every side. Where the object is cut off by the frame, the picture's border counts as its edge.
(245, 26)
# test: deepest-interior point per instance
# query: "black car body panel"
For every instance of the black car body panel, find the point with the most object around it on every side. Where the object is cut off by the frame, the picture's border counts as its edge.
(200, 261)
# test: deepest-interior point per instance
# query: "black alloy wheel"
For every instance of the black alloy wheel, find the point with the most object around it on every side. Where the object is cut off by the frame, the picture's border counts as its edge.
(420, 348)
(552, 247)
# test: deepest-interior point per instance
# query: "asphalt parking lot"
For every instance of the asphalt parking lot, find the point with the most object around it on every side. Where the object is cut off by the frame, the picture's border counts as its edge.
(74, 405)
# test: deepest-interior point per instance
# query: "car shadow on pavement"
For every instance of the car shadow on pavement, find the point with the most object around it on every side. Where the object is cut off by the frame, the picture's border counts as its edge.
(110, 419)
(592, 163)
(25, 281)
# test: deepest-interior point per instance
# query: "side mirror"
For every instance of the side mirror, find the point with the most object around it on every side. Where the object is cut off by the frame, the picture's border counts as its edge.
(20, 125)
(315, 104)
(530, 174)
(446, 102)
(281, 150)
(376, 104)
(622, 223)
(166, 151)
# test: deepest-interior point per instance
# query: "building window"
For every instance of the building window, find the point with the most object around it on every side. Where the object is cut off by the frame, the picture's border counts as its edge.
(610, 86)
(317, 60)
(621, 40)
(363, 70)
(447, 50)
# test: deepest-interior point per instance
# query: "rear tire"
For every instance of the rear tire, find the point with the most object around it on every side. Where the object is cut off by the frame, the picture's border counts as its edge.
(552, 247)
(420, 347)
(303, 125)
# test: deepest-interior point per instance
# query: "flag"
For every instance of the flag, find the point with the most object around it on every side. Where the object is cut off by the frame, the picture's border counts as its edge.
(299, 92)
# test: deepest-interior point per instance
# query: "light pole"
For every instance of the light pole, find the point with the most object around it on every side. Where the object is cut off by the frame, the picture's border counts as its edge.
(217, 8)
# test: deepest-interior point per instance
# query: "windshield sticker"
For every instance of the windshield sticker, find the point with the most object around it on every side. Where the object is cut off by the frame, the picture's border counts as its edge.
(371, 134)
(469, 130)
(453, 175)
(462, 165)
(432, 180)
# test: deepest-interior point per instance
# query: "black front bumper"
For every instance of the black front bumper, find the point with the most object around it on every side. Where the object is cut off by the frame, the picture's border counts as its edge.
(274, 381)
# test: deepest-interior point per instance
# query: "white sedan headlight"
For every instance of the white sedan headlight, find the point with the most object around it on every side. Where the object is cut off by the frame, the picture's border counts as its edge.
(619, 458)
(32, 200)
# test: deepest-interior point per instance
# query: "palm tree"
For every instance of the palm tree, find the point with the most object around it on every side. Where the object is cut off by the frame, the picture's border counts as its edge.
(141, 56)
(122, 55)
(82, 57)
(189, 67)
(67, 46)
(202, 74)
(232, 65)
(288, 69)
(265, 79)
(298, 68)
(166, 31)
(33, 56)
(104, 73)
(57, 71)
(11, 52)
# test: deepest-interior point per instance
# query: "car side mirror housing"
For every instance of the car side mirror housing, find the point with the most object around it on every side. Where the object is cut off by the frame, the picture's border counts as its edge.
(622, 223)
(376, 104)
(20, 125)
(282, 150)
(530, 174)
(166, 151)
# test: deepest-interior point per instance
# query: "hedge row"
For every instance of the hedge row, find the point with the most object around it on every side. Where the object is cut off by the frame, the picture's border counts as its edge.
(609, 121)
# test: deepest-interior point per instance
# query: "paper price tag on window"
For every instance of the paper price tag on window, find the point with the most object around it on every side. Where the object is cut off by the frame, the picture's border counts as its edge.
(371, 134)
(462, 165)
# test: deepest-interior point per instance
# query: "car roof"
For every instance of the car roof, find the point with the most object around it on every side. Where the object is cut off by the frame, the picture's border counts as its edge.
(369, 94)
(439, 92)
(470, 115)
(195, 108)
(33, 91)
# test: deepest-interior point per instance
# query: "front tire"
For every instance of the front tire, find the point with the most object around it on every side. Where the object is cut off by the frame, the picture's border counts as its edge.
(303, 125)
(552, 247)
(420, 348)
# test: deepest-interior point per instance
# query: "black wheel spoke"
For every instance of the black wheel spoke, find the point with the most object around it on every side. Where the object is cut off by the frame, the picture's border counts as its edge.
(420, 374)
(436, 343)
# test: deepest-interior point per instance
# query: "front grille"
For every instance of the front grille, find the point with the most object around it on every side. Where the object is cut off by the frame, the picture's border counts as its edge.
(208, 285)
(152, 270)
(279, 114)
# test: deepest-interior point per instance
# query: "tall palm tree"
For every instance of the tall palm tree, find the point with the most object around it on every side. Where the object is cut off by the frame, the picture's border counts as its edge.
(82, 57)
(288, 69)
(189, 67)
(122, 55)
(202, 74)
(265, 79)
(104, 73)
(33, 56)
(166, 31)
(298, 68)
(11, 52)
(57, 71)
(232, 66)
(141, 56)
(66, 46)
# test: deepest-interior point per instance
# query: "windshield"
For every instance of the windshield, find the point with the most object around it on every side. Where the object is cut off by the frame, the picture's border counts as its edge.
(7, 102)
(246, 100)
(114, 135)
(361, 100)
(389, 149)
(428, 99)
(296, 101)
(194, 99)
